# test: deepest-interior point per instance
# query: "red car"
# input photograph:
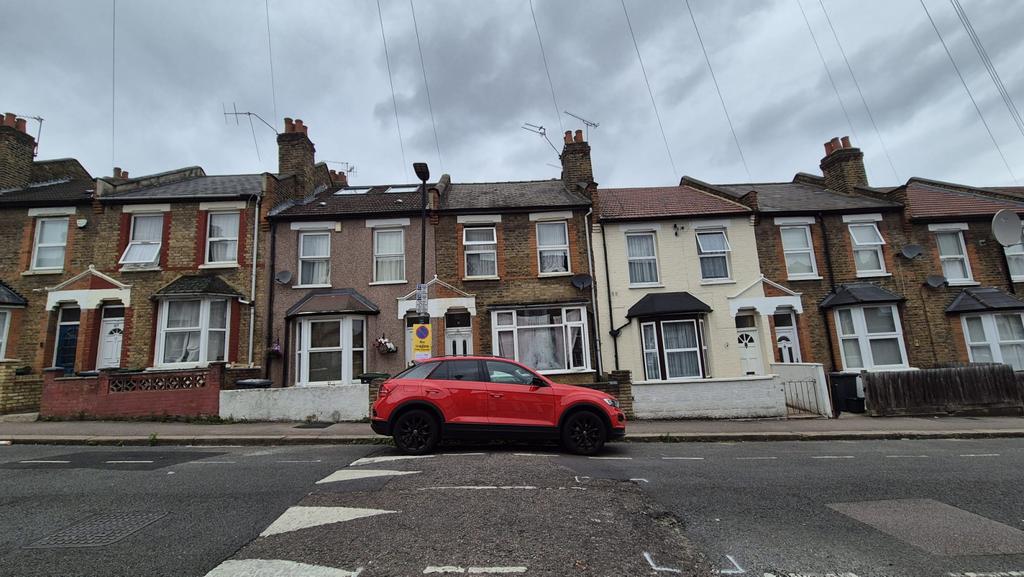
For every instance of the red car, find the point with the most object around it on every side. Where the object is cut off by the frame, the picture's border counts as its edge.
(489, 397)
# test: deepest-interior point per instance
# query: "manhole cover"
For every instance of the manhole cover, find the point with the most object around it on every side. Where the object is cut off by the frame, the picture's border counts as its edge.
(98, 530)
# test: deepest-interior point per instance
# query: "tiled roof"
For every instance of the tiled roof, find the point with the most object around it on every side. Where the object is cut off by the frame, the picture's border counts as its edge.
(333, 301)
(859, 293)
(60, 191)
(204, 284)
(373, 201)
(803, 196)
(928, 200)
(659, 304)
(10, 297)
(513, 194)
(1011, 190)
(984, 299)
(664, 201)
(217, 186)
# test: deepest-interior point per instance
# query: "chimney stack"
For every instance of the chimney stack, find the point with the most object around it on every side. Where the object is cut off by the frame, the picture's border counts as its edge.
(576, 165)
(843, 166)
(339, 178)
(17, 149)
(296, 154)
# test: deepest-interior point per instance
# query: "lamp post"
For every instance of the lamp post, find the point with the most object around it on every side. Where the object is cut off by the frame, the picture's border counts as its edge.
(422, 337)
(423, 173)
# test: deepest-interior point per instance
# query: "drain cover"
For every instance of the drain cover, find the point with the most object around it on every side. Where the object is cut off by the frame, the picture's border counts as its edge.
(98, 530)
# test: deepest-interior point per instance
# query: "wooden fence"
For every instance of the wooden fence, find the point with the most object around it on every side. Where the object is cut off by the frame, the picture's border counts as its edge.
(973, 389)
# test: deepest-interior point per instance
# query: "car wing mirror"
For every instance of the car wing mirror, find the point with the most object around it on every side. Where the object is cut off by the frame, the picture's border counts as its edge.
(538, 382)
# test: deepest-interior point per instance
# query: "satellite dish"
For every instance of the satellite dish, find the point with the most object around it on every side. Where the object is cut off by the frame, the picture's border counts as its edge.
(582, 281)
(1006, 227)
(283, 277)
(935, 280)
(911, 251)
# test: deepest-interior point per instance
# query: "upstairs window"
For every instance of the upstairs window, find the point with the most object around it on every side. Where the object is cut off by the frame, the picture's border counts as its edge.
(642, 258)
(481, 248)
(145, 240)
(799, 252)
(389, 255)
(553, 247)
(222, 238)
(713, 249)
(953, 255)
(315, 258)
(867, 248)
(50, 244)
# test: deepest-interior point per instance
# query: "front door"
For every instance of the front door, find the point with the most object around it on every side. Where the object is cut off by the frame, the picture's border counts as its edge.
(750, 348)
(458, 334)
(514, 398)
(66, 342)
(111, 332)
(786, 337)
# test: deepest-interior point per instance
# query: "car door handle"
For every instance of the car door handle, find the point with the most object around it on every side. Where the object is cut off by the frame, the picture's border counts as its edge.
(497, 395)
(433, 391)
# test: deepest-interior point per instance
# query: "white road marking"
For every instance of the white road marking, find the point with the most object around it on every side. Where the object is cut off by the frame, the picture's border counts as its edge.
(311, 461)
(276, 568)
(810, 575)
(981, 455)
(45, 462)
(683, 458)
(212, 462)
(995, 574)
(734, 570)
(906, 456)
(832, 457)
(639, 480)
(535, 454)
(296, 518)
(756, 458)
(578, 477)
(371, 460)
(611, 458)
(5, 443)
(650, 561)
(473, 570)
(126, 462)
(352, 474)
(462, 454)
(476, 487)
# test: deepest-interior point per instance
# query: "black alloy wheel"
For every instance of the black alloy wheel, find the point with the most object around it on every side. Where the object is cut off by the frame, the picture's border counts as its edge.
(416, 432)
(584, 433)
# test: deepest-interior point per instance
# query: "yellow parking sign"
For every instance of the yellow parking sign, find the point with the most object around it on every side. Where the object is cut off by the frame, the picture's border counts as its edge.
(421, 342)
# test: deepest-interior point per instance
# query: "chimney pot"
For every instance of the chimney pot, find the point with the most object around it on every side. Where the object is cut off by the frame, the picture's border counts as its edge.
(846, 142)
(568, 137)
(836, 144)
(117, 172)
(828, 148)
(124, 174)
(289, 126)
(19, 124)
(9, 119)
(579, 136)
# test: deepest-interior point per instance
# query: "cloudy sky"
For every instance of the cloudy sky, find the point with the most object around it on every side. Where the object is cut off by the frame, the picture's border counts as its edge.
(177, 63)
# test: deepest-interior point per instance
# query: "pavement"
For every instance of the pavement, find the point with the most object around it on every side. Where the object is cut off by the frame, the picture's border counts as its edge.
(20, 430)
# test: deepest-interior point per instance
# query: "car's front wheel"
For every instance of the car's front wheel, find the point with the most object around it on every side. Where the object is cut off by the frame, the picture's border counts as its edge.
(583, 433)
(416, 432)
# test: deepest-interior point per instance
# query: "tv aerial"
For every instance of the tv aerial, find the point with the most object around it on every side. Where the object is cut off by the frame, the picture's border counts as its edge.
(39, 130)
(543, 132)
(346, 167)
(234, 112)
(588, 123)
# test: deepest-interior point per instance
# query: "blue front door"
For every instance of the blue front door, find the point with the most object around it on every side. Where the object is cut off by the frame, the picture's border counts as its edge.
(67, 344)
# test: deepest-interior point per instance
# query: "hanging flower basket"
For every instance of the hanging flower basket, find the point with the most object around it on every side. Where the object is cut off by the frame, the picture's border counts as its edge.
(385, 346)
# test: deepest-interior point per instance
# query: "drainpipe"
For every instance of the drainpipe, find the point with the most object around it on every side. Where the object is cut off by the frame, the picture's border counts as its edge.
(252, 285)
(271, 269)
(593, 291)
(832, 286)
(608, 289)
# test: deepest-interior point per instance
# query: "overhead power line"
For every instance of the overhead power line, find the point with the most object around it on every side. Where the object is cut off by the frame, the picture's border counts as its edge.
(113, 82)
(270, 58)
(878, 133)
(391, 81)
(657, 115)
(547, 70)
(718, 88)
(426, 84)
(968, 90)
(828, 72)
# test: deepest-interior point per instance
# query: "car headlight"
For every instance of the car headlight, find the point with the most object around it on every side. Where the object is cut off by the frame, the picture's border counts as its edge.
(611, 402)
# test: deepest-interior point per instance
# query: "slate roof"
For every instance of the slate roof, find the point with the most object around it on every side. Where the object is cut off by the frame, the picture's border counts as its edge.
(10, 297)
(204, 284)
(859, 293)
(333, 301)
(983, 299)
(60, 191)
(470, 196)
(928, 200)
(373, 201)
(216, 186)
(663, 202)
(803, 195)
(660, 304)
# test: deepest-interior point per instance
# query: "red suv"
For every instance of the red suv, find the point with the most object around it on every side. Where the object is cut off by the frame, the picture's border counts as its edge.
(489, 397)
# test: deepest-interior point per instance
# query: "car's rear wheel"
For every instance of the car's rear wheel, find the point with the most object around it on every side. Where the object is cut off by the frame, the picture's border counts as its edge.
(583, 433)
(416, 432)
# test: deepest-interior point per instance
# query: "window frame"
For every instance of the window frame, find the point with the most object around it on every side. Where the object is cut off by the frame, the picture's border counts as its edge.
(864, 338)
(155, 262)
(36, 245)
(991, 331)
(1018, 257)
(864, 247)
(466, 251)
(662, 354)
(630, 259)
(204, 329)
(963, 256)
(210, 239)
(5, 327)
(646, 349)
(347, 348)
(376, 255)
(550, 248)
(567, 326)
(724, 253)
(809, 250)
(313, 259)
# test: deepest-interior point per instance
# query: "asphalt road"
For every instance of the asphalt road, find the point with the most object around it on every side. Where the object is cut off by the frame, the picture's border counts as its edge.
(866, 508)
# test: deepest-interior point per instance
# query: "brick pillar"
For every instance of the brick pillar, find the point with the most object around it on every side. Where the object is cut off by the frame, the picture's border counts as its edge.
(576, 164)
(16, 151)
(624, 388)
(843, 166)
(88, 339)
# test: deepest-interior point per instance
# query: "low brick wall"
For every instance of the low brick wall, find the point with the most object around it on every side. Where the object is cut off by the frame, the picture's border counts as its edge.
(18, 393)
(186, 393)
(618, 385)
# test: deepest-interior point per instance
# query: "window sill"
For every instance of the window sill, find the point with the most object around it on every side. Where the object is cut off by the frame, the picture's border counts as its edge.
(718, 281)
(1017, 278)
(309, 286)
(646, 285)
(42, 272)
(553, 274)
(219, 265)
(873, 274)
(799, 278)
(140, 269)
(472, 278)
(964, 283)
(387, 282)
(567, 372)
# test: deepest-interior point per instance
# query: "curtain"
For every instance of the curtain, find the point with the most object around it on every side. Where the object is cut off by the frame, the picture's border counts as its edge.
(879, 320)
(680, 335)
(714, 267)
(542, 348)
(183, 314)
(1010, 327)
(867, 259)
(314, 272)
(554, 260)
(682, 364)
(643, 271)
(640, 245)
(552, 234)
(576, 346)
(224, 225)
(148, 228)
(223, 250)
(53, 231)
(216, 341)
(851, 350)
(799, 263)
(794, 238)
(506, 344)
(886, 352)
(390, 268)
(218, 314)
(954, 269)
(481, 264)
(181, 347)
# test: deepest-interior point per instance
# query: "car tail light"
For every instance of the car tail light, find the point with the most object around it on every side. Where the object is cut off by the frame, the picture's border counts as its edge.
(383, 391)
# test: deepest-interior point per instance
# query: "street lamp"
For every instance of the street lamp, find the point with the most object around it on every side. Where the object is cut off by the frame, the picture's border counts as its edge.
(423, 173)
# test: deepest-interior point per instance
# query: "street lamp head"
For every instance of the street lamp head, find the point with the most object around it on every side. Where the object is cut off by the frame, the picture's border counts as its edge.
(422, 171)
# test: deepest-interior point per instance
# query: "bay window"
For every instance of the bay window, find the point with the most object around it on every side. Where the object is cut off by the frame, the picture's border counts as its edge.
(315, 258)
(713, 249)
(5, 324)
(222, 238)
(799, 252)
(553, 247)
(480, 245)
(953, 256)
(870, 337)
(673, 349)
(330, 350)
(642, 258)
(867, 248)
(547, 339)
(389, 255)
(51, 241)
(192, 332)
(144, 241)
(995, 338)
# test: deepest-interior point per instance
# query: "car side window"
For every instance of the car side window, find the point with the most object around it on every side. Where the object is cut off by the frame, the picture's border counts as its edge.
(463, 371)
(508, 373)
(419, 371)
(440, 373)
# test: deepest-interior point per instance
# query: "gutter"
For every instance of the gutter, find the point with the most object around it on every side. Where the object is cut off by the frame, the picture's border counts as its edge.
(593, 290)
(252, 285)
(270, 298)
(608, 290)
(832, 287)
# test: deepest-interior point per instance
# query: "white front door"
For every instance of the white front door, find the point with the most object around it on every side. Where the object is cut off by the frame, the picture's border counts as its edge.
(111, 331)
(786, 339)
(749, 345)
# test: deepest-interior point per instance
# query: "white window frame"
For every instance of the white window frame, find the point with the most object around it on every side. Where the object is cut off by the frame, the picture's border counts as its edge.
(870, 246)
(992, 340)
(552, 248)
(863, 338)
(377, 255)
(36, 244)
(702, 254)
(629, 259)
(468, 249)
(969, 279)
(650, 349)
(665, 350)
(210, 240)
(131, 241)
(808, 251)
(203, 328)
(5, 326)
(497, 328)
(303, 259)
(347, 348)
